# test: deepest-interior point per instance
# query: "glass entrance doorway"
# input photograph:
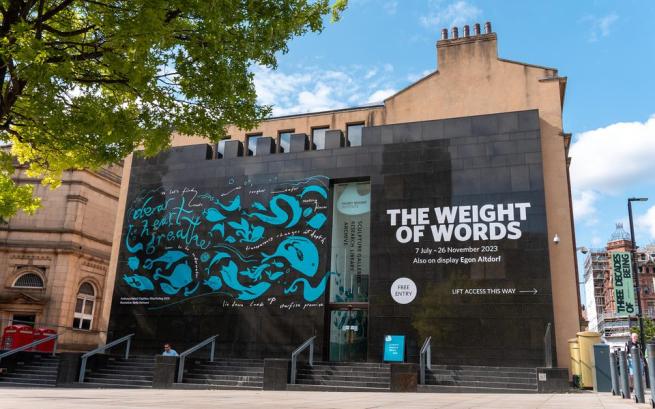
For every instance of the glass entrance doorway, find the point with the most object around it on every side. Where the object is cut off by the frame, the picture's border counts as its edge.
(350, 267)
(348, 328)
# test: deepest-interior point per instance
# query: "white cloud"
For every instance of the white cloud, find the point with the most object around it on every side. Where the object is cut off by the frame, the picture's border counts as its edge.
(390, 7)
(452, 15)
(584, 205)
(604, 24)
(381, 95)
(272, 85)
(610, 158)
(320, 99)
(599, 26)
(648, 221)
(370, 73)
(313, 89)
(597, 242)
(606, 161)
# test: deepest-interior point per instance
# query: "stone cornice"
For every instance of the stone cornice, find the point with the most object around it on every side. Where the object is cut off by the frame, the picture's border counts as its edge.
(57, 246)
(35, 181)
(51, 230)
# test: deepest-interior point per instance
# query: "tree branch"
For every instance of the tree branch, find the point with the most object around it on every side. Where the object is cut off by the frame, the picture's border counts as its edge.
(53, 30)
(99, 80)
(53, 11)
(172, 15)
(68, 44)
(77, 57)
(98, 3)
(39, 21)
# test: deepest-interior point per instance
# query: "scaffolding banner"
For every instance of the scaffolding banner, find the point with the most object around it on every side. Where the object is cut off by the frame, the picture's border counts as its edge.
(624, 292)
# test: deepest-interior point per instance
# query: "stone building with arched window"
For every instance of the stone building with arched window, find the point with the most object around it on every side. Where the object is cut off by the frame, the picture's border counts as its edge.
(53, 264)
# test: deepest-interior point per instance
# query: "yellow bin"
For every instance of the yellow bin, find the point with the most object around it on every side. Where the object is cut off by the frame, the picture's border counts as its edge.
(586, 341)
(574, 352)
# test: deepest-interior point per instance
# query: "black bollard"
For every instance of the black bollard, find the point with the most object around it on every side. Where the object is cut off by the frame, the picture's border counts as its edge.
(624, 376)
(638, 374)
(614, 372)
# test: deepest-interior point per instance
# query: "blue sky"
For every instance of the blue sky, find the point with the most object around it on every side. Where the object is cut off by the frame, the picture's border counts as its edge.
(605, 48)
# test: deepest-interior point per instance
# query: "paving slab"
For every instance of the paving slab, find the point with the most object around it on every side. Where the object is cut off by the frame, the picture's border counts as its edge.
(61, 398)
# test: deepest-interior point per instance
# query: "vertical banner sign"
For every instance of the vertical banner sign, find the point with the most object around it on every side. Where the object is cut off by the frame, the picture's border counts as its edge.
(624, 291)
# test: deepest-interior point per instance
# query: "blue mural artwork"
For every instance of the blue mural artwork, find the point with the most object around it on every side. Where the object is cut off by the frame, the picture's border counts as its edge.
(247, 243)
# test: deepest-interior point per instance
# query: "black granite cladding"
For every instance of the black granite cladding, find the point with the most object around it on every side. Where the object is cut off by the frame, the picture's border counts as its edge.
(477, 160)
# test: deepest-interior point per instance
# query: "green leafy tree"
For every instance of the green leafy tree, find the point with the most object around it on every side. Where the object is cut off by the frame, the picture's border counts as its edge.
(649, 329)
(85, 82)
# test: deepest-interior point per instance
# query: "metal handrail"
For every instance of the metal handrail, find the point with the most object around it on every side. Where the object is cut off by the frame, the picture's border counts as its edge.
(425, 358)
(86, 356)
(183, 355)
(32, 345)
(548, 347)
(294, 356)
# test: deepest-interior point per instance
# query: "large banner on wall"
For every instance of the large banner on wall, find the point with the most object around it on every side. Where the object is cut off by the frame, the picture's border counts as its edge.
(624, 291)
(223, 258)
(459, 241)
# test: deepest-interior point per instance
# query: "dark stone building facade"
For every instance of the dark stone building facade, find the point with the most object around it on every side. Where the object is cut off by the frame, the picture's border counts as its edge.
(271, 249)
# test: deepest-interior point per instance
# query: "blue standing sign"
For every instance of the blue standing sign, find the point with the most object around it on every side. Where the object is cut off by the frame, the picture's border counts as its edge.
(394, 348)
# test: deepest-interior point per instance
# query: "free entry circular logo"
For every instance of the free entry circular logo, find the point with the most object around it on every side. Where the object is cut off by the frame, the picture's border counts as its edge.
(403, 290)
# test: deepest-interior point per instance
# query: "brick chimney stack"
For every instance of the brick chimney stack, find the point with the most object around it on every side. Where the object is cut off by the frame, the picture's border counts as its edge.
(469, 48)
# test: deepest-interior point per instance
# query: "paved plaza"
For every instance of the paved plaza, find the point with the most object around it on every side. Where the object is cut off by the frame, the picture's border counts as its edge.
(201, 399)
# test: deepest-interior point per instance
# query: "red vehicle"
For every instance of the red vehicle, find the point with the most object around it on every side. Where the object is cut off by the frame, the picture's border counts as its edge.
(15, 336)
(40, 333)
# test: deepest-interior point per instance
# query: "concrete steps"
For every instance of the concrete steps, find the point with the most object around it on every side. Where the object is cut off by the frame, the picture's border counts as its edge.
(41, 372)
(327, 388)
(479, 379)
(343, 377)
(224, 374)
(135, 372)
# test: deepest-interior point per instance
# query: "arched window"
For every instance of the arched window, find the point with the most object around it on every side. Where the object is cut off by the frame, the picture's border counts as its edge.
(84, 306)
(29, 280)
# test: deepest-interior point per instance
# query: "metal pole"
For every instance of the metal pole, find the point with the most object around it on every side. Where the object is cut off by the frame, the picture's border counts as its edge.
(614, 371)
(651, 370)
(127, 348)
(211, 354)
(548, 347)
(623, 372)
(311, 353)
(82, 370)
(180, 369)
(421, 366)
(638, 374)
(636, 276)
(293, 369)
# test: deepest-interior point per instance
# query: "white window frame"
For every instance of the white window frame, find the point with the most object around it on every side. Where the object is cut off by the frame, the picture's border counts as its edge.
(86, 298)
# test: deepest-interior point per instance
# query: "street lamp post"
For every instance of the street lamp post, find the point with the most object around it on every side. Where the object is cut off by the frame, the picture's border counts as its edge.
(636, 271)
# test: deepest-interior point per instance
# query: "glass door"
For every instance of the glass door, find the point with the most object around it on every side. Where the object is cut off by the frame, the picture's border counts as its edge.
(350, 262)
(350, 249)
(348, 328)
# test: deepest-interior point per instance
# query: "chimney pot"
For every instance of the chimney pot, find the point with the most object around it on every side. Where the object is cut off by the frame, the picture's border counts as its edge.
(467, 31)
(444, 34)
(487, 27)
(455, 33)
(476, 29)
